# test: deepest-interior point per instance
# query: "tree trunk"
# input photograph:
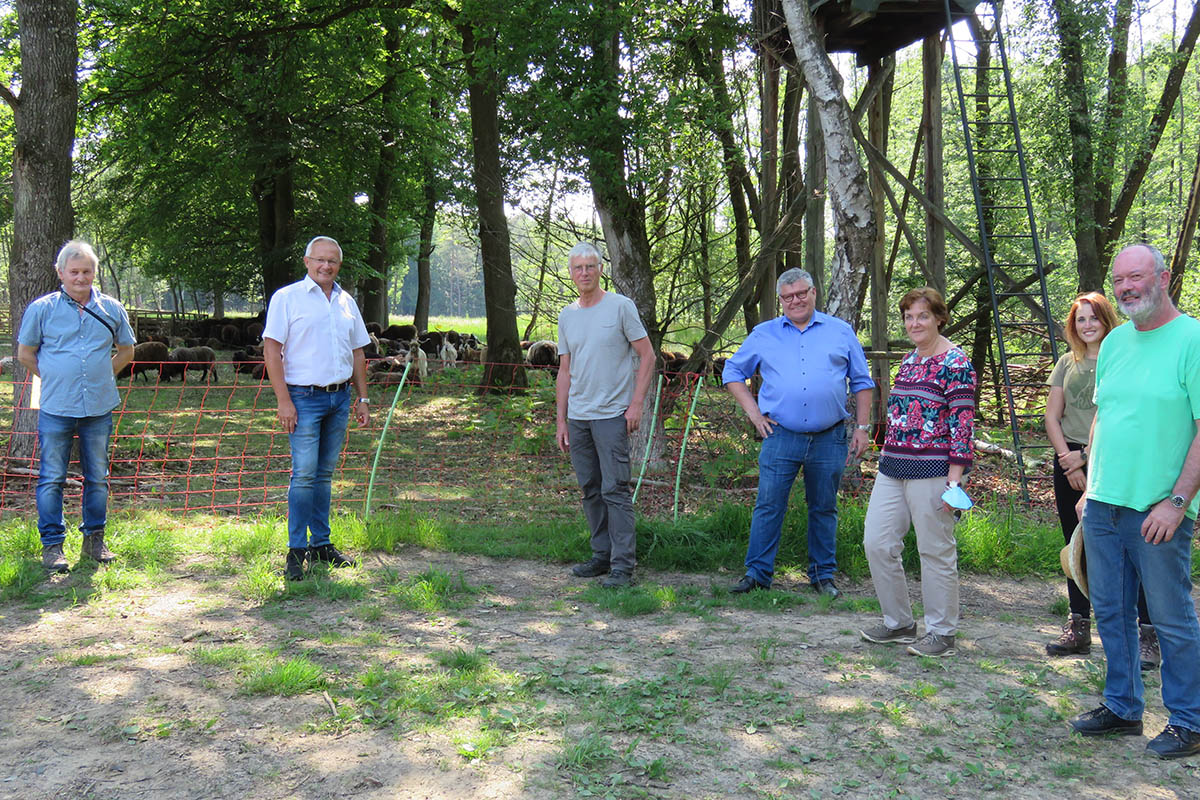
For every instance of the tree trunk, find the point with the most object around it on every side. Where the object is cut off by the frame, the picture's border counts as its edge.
(931, 126)
(373, 287)
(425, 251)
(710, 67)
(1079, 124)
(44, 135)
(814, 189)
(1158, 123)
(768, 187)
(854, 218)
(276, 203)
(1187, 230)
(544, 260)
(878, 120)
(506, 367)
(622, 215)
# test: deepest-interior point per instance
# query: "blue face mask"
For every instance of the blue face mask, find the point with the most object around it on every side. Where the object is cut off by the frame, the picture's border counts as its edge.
(955, 497)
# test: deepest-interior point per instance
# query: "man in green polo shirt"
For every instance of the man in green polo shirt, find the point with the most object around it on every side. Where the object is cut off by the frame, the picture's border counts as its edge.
(1141, 503)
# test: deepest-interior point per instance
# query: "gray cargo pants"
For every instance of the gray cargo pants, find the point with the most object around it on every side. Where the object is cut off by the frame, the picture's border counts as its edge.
(600, 456)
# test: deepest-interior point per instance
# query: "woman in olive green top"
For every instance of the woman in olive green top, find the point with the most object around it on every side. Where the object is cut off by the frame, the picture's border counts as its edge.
(1069, 415)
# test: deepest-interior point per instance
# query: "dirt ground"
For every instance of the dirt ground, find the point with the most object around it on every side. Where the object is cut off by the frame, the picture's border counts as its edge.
(107, 699)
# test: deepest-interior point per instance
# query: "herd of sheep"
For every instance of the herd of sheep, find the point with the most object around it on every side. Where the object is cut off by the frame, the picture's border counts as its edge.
(390, 351)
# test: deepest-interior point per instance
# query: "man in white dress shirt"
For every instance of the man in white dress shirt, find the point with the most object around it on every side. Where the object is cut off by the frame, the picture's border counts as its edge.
(313, 347)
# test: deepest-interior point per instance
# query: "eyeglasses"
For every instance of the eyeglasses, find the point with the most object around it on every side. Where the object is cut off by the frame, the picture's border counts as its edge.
(324, 262)
(795, 297)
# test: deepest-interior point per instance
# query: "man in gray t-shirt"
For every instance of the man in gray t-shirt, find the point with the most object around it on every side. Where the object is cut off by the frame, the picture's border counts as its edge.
(599, 405)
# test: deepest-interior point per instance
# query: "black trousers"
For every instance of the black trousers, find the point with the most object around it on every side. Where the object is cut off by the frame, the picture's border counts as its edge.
(1065, 499)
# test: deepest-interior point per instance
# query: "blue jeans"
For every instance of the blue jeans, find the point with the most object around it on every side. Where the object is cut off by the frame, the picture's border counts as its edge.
(1118, 559)
(55, 434)
(316, 443)
(822, 457)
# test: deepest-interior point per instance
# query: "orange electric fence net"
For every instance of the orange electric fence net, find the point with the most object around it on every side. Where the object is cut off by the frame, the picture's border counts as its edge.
(211, 444)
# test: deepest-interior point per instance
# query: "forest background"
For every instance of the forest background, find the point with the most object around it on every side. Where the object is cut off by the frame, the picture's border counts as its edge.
(458, 149)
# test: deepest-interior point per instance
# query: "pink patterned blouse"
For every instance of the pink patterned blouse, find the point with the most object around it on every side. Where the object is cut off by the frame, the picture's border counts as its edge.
(930, 416)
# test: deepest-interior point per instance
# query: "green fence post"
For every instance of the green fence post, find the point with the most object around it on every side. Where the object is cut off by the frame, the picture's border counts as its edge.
(683, 447)
(649, 439)
(383, 435)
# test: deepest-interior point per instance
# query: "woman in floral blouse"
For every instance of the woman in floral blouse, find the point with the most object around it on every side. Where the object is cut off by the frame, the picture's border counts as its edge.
(930, 425)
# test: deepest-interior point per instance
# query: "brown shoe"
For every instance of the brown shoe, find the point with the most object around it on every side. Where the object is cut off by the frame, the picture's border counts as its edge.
(1148, 650)
(53, 558)
(1076, 638)
(93, 547)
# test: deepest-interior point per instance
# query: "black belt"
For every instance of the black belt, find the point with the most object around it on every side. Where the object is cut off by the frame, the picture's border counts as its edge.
(331, 388)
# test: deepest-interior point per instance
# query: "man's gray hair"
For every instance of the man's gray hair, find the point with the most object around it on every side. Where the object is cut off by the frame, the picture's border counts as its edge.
(792, 275)
(585, 250)
(315, 239)
(76, 248)
(1160, 263)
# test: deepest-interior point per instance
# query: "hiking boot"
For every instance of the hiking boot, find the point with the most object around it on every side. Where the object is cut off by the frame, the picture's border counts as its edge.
(882, 634)
(1101, 722)
(93, 547)
(294, 570)
(1148, 647)
(934, 645)
(617, 579)
(1076, 638)
(826, 587)
(330, 555)
(747, 584)
(590, 569)
(53, 558)
(1175, 742)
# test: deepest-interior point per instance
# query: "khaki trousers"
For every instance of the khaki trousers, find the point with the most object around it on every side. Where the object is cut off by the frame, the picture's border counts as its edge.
(894, 505)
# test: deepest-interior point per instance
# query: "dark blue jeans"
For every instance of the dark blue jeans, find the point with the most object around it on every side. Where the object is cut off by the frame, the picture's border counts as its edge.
(321, 419)
(822, 457)
(55, 434)
(1119, 559)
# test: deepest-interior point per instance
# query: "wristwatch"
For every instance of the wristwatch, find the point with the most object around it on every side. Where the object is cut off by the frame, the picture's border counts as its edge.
(364, 400)
(866, 428)
(1178, 500)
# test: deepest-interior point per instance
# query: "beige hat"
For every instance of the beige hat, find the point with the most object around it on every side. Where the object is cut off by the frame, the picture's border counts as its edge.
(1071, 558)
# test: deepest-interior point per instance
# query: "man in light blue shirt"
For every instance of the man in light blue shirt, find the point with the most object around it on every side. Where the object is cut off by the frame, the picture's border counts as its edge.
(67, 339)
(806, 359)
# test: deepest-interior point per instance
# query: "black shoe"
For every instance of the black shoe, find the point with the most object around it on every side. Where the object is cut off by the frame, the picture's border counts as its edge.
(330, 555)
(826, 587)
(747, 584)
(294, 571)
(1100, 722)
(590, 569)
(619, 579)
(1175, 742)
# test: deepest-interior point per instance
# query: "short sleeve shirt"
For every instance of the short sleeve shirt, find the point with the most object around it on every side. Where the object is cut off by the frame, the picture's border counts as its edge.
(599, 341)
(1077, 379)
(319, 334)
(1147, 401)
(74, 352)
(805, 372)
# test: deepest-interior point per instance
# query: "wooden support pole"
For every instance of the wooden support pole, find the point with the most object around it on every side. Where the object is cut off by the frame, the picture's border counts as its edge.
(931, 126)
(878, 118)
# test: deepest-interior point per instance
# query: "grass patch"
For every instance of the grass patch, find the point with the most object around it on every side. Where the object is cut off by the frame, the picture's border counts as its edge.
(285, 678)
(434, 590)
(470, 684)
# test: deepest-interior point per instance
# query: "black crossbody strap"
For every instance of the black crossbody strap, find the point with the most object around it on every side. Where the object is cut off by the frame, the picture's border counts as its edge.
(96, 316)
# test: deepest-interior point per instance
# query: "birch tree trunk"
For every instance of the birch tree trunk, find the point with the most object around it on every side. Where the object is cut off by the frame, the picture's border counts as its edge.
(849, 194)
